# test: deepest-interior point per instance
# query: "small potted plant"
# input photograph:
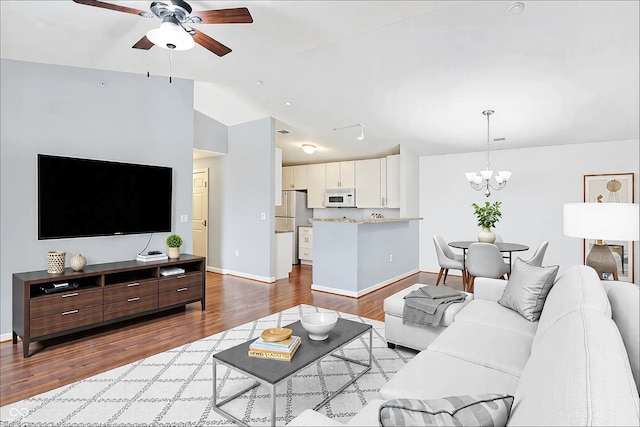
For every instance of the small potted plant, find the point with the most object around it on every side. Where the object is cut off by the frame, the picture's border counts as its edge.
(174, 242)
(487, 215)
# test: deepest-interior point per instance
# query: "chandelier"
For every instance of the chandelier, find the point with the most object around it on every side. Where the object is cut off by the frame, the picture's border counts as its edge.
(482, 180)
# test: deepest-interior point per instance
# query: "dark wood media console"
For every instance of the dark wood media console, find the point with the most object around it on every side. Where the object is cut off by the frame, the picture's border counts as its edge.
(105, 293)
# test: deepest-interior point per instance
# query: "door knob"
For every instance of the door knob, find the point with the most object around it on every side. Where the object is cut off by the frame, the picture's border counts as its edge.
(204, 222)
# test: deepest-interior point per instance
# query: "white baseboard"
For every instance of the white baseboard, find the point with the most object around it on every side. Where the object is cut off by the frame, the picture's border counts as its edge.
(243, 275)
(361, 292)
(6, 337)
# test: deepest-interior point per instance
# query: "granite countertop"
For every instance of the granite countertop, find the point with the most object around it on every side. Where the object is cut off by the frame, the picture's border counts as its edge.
(364, 220)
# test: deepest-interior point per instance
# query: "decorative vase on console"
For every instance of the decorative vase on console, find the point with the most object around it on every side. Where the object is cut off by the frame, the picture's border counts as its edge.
(77, 262)
(487, 215)
(174, 242)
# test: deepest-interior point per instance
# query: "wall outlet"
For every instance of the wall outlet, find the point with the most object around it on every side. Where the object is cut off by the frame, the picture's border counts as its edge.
(263, 216)
(390, 258)
(237, 252)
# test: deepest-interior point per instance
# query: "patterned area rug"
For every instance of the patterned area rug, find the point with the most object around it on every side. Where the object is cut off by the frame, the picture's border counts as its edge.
(175, 387)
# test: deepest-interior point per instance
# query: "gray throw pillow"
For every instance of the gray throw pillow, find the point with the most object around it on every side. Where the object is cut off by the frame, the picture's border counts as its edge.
(480, 410)
(528, 288)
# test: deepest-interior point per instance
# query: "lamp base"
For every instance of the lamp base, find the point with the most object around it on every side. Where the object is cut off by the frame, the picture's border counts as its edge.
(601, 260)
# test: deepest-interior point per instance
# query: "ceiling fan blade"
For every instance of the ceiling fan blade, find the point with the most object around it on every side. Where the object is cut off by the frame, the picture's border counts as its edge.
(210, 44)
(104, 5)
(143, 43)
(238, 15)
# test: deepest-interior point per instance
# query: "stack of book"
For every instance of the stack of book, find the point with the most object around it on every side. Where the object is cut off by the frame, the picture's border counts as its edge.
(280, 350)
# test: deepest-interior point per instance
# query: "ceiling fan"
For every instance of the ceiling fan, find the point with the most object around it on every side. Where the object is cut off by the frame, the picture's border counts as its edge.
(175, 32)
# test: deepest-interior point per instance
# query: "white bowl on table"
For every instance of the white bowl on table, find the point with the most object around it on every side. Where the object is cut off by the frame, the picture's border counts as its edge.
(319, 324)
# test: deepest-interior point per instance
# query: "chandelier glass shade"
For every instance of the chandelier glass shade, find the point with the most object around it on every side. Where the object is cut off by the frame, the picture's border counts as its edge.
(171, 35)
(482, 180)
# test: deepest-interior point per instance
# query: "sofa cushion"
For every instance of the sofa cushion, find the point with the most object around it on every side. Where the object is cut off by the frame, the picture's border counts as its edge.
(494, 348)
(484, 410)
(490, 313)
(527, 288)
(431, 375)
(578, 375)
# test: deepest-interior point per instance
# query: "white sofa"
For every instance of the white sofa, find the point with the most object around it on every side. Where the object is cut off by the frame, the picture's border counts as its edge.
(578, 365)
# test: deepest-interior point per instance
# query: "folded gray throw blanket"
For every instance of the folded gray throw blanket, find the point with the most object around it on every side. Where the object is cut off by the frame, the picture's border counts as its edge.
(426, 306)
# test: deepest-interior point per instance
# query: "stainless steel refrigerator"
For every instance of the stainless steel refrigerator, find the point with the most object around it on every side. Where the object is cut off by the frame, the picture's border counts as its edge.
(292, 213)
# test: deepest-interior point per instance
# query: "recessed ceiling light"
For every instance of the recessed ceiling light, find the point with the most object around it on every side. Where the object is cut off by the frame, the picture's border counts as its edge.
(309, 148)
(516, 8)
(287, 103)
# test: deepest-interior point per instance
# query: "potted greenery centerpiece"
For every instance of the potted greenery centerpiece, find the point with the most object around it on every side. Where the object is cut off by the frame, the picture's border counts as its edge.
(488, 215)
(174, 242)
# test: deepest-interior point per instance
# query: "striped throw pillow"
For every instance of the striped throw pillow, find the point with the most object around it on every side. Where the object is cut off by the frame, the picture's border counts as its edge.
(479, 410)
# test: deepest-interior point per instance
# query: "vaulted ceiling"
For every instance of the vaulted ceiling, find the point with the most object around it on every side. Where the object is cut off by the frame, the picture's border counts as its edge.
(415, 73)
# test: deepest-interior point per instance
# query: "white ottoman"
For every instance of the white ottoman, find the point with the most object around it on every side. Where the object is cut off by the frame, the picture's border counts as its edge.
(414, 337)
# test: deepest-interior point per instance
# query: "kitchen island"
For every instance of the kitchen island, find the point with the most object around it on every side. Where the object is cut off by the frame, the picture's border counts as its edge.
(353, 256)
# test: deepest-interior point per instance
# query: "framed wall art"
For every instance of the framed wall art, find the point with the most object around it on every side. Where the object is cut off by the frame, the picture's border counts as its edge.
(612, 188)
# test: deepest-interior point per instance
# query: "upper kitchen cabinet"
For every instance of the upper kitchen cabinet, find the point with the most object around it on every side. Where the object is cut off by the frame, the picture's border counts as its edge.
(294, 177)
(392, 199)
(315, 185)
(369, 192)
(340, 174)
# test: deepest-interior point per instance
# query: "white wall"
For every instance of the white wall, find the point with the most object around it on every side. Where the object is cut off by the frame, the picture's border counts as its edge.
(93, 114)
(543, 179)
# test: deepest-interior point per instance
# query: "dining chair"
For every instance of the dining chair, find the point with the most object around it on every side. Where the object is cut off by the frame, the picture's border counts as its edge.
(498, 238)
(448, 260)
(536, 259)
(484, 260)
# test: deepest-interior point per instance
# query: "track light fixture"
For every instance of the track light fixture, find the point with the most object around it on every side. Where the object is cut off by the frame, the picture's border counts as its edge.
(361, 136)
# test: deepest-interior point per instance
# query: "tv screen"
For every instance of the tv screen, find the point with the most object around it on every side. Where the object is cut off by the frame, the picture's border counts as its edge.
(84, 197)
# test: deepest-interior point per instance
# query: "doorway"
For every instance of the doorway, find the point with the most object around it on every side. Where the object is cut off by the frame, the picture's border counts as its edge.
(200, 211)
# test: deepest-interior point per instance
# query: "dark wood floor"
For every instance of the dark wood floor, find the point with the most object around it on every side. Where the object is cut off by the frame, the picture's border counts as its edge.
(231, 301)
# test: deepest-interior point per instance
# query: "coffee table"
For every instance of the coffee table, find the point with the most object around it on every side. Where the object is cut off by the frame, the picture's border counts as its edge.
(272, 372)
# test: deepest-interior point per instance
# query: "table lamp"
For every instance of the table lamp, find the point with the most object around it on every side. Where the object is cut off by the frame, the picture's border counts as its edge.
(601, 221)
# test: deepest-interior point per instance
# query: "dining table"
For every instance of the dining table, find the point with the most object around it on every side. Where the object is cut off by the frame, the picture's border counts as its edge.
(502, 247)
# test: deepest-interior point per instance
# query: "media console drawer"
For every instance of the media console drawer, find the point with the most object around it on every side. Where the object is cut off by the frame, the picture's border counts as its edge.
(124, 291)
(66, 319)
(45, 305)
(130, 306)
(171, 283)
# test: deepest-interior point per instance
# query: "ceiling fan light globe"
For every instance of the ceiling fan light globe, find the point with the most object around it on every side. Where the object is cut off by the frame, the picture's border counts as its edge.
(171, 36)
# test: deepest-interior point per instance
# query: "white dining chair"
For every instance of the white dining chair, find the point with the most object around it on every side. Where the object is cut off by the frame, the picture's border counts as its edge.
(485, 260)
(537, 257)
(447, 260)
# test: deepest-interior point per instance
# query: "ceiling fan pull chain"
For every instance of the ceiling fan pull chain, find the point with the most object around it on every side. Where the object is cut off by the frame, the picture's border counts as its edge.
(170, 66)
(148, 63)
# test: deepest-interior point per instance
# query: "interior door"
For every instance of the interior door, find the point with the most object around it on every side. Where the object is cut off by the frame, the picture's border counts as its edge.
(200, 211)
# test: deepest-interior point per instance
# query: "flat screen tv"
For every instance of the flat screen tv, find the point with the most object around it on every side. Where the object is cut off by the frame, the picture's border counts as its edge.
(85, 197)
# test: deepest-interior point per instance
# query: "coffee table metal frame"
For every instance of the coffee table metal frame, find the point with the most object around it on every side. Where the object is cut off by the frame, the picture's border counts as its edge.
(217, 405)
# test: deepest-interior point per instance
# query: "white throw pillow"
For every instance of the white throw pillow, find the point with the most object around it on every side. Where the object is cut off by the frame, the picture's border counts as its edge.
(528, 288)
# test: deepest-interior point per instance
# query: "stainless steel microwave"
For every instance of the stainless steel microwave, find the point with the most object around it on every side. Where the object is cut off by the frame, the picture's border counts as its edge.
(340, 198)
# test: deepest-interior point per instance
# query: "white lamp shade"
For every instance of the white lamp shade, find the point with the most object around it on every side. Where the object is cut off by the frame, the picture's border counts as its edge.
(611, 221)
(470, 176)
(171, 34)
(505, 175)
(486, 174)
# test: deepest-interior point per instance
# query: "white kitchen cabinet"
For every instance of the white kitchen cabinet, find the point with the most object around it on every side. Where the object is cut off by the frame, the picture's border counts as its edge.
(392, 199)
(315, 185)
(278, 167)
(340, 174)
(305, 245)
(368, 183)
(294, 177)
